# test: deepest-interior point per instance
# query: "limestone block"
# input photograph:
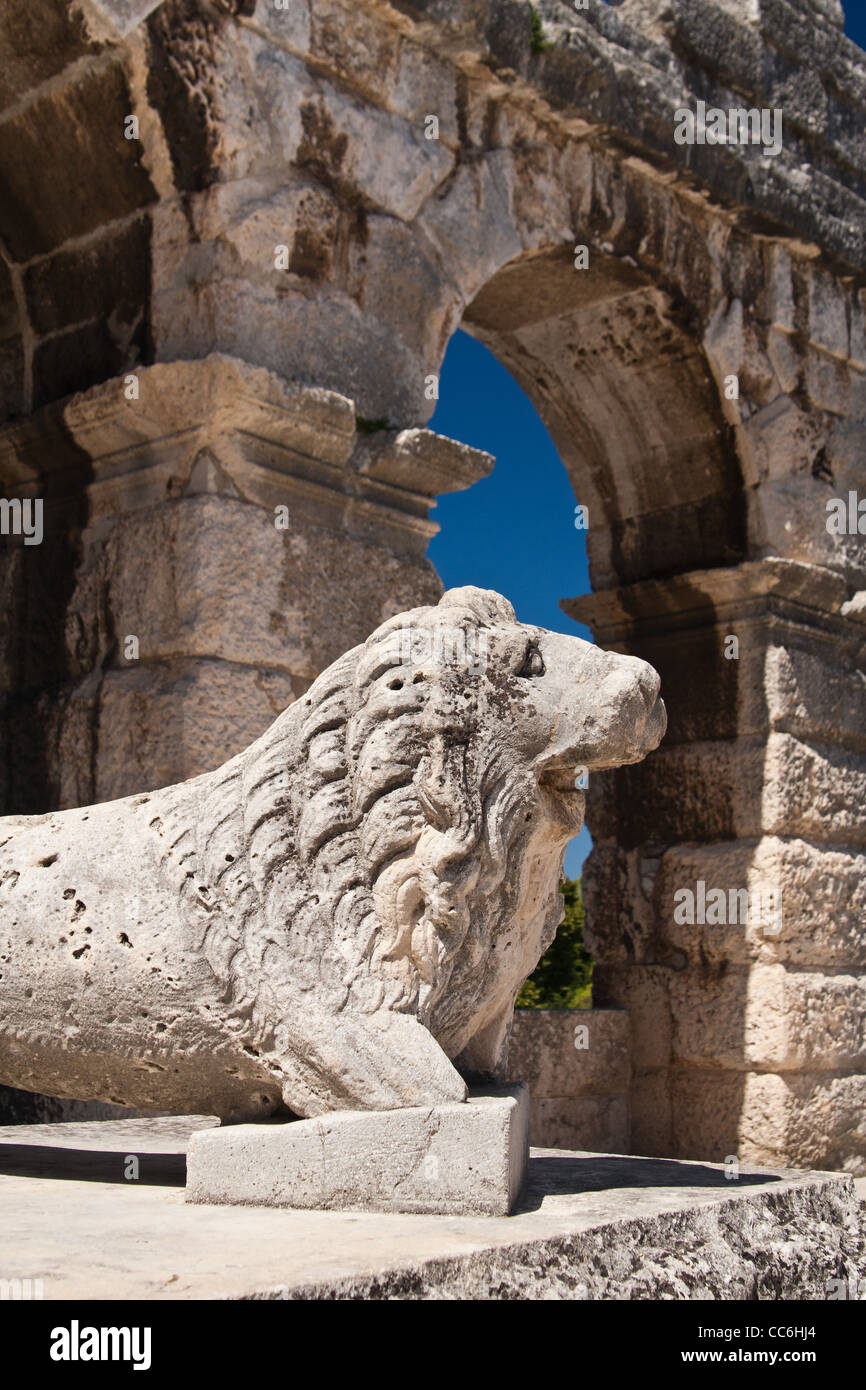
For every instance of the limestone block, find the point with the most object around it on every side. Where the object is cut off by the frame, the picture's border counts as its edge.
(453, 1159)
(779, 287)
(826, 1115)
(395, 273)
(772, 1119)
(720, 1114)
(424, 86)
(543, 1049)
(699, 791)
(180, 718)
(828, 384)
(294, 336)
(79, 127)
(346, 37)
(281, 618)
(808, 908)
(247, 222)
(11, 377)
(826, 1021)
(597, 1124)
(858, 330)
(274, 83)
(790, 516)
(375, 153)
(743, 788)
(828, 313)
(105, 277)
(724, 340)
(63, 38)
(785, 359)
(620, 926)
(784, 438)
(710, 708)
(652, 1113)
(814, 792)
(119, 17)
(578, 1066)
(474, 217)
(813, 692)
(768, 1017)
(640, 992)
(290, 25)
(193, 604)
(714, 1024)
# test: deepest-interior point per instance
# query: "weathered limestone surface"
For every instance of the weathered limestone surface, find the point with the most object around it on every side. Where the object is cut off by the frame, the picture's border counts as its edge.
(747, 1035)
(577, 1064)
(282, 206)
(454, 1159)
(587, 1226)
(335, 916)
(242, 531)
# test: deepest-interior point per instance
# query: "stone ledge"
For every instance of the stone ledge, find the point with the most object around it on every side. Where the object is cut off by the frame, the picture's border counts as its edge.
(711, 596)
(587, 1226)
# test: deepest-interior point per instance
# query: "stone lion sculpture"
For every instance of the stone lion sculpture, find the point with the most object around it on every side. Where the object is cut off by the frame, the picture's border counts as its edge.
(341, 916)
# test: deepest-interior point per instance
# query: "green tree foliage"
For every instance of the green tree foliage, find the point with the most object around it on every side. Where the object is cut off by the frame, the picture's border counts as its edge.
(562, 978)
(538, 43)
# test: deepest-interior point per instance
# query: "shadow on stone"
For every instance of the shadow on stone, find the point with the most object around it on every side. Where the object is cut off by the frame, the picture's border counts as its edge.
(91, 1165)
(552, 1175)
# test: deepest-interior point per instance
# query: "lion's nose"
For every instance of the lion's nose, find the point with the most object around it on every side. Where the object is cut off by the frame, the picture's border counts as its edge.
(648, 680)
(650, 683)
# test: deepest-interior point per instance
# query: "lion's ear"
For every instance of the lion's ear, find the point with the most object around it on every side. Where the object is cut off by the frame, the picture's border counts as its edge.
(443, 782)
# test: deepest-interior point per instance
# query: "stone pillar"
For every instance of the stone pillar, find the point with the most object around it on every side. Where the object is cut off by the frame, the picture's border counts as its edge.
(747, 1031)
(210, 546)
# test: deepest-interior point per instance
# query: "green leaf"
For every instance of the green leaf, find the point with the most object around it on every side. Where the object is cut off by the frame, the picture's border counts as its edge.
(562, 978)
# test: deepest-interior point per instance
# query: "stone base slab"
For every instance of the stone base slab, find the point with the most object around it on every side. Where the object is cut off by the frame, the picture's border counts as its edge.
(454, 1159)
(586, 1227)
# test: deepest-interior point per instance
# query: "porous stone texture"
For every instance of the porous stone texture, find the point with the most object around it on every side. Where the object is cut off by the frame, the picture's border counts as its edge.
(577, 1064)
(453, 1159)
(586, 1227)
(241, 532)
(746, 1029)
(339, 917)
(283, 205)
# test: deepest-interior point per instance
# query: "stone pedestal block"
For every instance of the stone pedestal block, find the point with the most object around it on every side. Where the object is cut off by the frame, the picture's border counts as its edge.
(458, 1159)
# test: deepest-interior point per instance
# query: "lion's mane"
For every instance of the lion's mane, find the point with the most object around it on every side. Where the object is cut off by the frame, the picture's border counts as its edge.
(344, 857)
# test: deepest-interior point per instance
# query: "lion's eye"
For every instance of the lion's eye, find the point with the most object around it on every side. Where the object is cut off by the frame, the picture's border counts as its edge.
(532, 662)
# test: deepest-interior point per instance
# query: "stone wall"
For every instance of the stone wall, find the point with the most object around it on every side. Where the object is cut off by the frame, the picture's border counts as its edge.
(280, 254)
(578, 1066)
(226, 538)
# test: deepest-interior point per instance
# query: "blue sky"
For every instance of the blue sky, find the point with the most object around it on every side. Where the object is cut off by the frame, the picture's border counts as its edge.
(515, 530)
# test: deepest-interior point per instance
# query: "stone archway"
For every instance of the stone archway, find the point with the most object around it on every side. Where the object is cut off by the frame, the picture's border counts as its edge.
(279, 258)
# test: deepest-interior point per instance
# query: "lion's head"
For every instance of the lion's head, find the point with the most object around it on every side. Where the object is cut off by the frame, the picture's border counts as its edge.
(385, 859)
